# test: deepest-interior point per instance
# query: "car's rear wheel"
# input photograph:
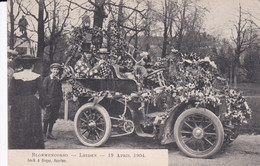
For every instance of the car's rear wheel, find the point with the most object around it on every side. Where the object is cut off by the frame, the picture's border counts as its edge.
(198, 132)
(92, 125)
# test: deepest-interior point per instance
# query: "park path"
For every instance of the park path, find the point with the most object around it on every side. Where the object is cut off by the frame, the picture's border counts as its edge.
(243, 151)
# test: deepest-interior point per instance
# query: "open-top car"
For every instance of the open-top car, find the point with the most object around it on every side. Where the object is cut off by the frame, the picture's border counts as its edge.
(195, 115)
(179, 99)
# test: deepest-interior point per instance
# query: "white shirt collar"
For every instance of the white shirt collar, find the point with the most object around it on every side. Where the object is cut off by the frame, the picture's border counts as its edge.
(26, 75)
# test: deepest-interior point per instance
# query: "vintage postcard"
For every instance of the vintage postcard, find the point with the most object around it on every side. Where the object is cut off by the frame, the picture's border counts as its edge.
(130, 82)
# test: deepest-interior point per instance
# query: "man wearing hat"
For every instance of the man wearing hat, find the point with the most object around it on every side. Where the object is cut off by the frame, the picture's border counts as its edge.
(52, 86)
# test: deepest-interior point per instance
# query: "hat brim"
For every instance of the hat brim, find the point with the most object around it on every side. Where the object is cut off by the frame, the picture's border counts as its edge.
(27, 58)
(55, 66)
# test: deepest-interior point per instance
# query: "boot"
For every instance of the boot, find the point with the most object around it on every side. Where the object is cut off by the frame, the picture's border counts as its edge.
(44, 138)
(50, 136)
(45, 128)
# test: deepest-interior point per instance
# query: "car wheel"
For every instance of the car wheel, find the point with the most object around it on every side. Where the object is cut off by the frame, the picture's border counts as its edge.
(198, 133)
(92, 125)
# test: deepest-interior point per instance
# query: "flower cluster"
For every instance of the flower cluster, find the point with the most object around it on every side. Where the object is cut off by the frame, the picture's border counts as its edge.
(79, 36)
(117, 43)
(238, 110)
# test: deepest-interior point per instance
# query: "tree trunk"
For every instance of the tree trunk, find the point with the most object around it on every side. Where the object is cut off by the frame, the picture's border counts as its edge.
(180, 36)
(120, 19)
(99, 16)
(235, 74)
(136, 43)
(165, 42)
(52, 37)
(11, 44)
(51, 52)
(41, 43)
(99, 13)
(231, 74)
(147, 39)
(165, 35)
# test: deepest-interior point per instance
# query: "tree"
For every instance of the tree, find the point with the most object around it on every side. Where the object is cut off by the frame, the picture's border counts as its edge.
(169, 13)
(241, 43)
(125, 20)
(182, 22)
(252, 59)
(12, 24)
(55, 25)
(41, 20)
(12, 16)
(188, 25)
(51, 20)
(148, 23)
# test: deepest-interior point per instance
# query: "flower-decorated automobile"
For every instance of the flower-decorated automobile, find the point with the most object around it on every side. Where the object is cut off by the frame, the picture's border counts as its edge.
(179, 99)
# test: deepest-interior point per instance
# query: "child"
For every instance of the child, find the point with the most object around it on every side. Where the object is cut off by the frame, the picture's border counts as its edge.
(52, 86)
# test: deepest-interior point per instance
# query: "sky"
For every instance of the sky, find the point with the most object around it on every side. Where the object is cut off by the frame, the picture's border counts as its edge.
(223, 14)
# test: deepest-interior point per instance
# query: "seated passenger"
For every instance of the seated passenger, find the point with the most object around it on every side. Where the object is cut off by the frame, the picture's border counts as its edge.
(83, 66)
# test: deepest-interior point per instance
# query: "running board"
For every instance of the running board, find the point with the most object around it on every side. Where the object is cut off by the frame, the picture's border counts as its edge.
(145, 135)
(141, 133)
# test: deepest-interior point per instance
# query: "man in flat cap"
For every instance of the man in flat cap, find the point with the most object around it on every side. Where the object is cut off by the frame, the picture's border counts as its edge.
(52, 86)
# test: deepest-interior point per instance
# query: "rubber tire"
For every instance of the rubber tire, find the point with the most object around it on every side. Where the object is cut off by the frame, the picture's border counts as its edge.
(218, 126)
(107, 119)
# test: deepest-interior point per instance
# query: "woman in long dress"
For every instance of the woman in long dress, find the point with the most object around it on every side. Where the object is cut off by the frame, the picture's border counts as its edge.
(25, 128)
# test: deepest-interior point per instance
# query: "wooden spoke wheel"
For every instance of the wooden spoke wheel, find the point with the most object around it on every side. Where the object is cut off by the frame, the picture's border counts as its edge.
(92, 125)
(198, 133)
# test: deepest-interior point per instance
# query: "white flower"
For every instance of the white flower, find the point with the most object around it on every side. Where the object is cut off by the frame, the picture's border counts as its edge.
(182, 98)
(206, 59)
(174, 50)
(191, 86)
(158, 90)
(174, 95)
(246, 105)
(144, 54)
(200, 94)
(74, 98)
(179, 88)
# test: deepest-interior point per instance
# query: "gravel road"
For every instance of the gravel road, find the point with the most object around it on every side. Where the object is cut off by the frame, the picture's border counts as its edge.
(245, 150)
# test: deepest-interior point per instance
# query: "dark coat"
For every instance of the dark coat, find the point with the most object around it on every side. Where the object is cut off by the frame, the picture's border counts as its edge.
(53, 90)
(25, 128)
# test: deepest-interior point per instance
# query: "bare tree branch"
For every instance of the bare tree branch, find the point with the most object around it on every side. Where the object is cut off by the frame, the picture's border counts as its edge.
(66, 17)
(26, 11)
(80, 6)
(46, 12)
(127, 7)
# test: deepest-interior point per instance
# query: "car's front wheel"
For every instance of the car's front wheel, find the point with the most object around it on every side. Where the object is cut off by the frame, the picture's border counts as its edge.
(198, 132)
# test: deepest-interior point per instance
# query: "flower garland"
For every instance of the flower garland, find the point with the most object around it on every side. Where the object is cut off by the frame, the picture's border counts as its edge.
(78, 36)
(196, 85)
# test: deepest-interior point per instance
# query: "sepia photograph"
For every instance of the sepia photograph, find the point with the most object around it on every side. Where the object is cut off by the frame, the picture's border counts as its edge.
(133, 82)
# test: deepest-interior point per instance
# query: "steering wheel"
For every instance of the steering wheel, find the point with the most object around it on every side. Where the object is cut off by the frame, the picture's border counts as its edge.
(68, 71)
(154, 72)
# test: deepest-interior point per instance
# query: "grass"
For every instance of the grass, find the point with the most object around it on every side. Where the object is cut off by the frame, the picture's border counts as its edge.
(254, 124)
(249, 89)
